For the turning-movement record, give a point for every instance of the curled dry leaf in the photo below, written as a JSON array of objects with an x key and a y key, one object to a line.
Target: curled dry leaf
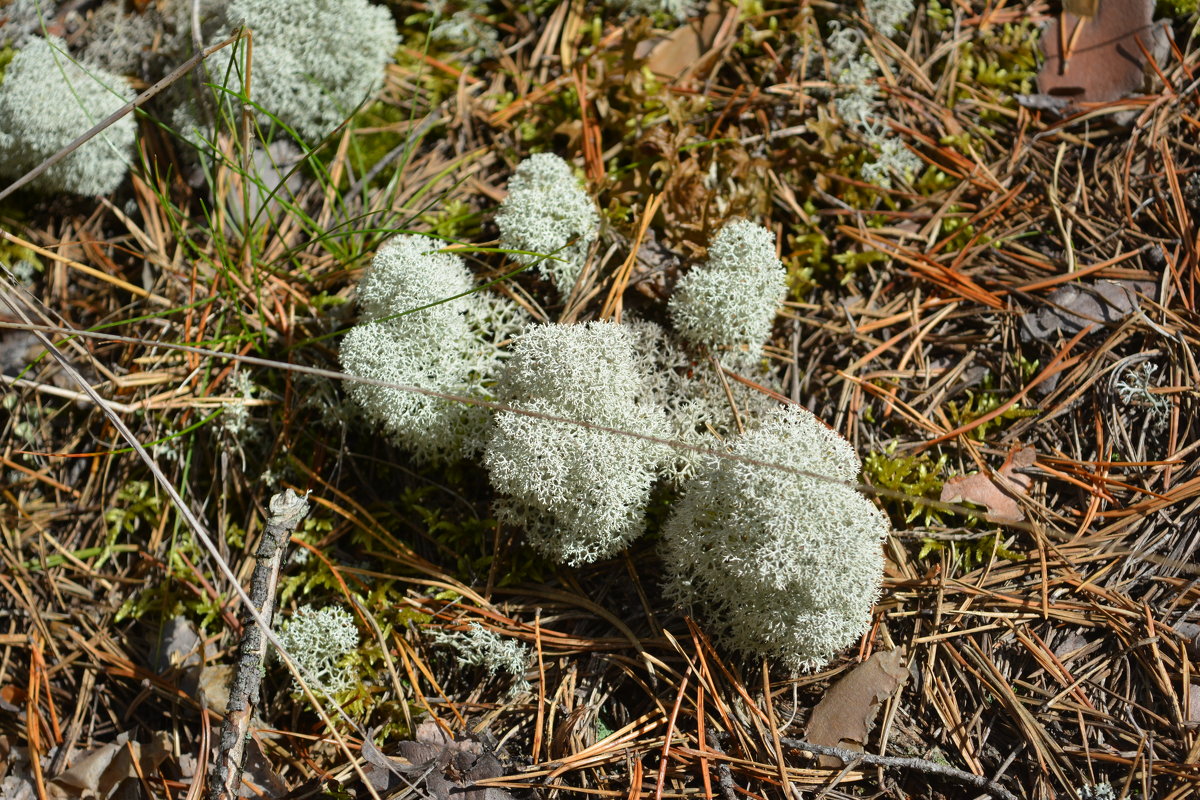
[
  {"x": 998, "y": 495},
  {"x": 1190, "y": 633},
  {"x": 686, "y": 49},
  {"x": 1071, "y": 308},
  {"x": 1098, "y": 58},
  {"x": 213, "y": 685},
  {"x": 98, "y": 772},
  {"x": 1193, "y": 703},
  {"x": 437, "y": 763},
  {"x": 847, "y": 712},
  {"x": 178, "y": 644}
]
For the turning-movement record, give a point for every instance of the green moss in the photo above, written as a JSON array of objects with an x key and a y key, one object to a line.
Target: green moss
[
  {"x": 980, "y": 404},
  {"x": 469, "y": 542},
  {"x": 934, "y": 180},
  {"x": 1177, "y": 9},
  {"x": 137, "y": 506},
  {"x": 918, "y": 478},
  {"x": 969, "y": 555},
  {"x": 955, "y": 226},
  {"x": 539, "y": 125},
  {"x": 810, "y": 260},
  {"x": 6, "y": 56},
  {"x": 940, "y": 17},
  {"x": 453, "y": 220},
  {"x": 1004, "y": 59},
  {"x": 174, "y": 591},
  {"x": 12, "y": 254},
  {"x": 370, "y": 700},
  {"x": 309, "y": 576},
  {"x": 807, "y": 258},
  {"x": 852, "y": 261},
  {"x": 383, "y": 122}
]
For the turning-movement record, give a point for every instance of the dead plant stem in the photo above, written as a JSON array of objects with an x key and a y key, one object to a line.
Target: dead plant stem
[
  {"x": 287, "y": 509},
  {"x": 896, "y": 762}
]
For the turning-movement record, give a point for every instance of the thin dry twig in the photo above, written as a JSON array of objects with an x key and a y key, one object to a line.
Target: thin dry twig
[
  {"x": 897, "y": 762},
  {"x": 287, "y": 510}
]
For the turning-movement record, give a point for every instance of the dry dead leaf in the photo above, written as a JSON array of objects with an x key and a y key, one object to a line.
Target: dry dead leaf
[
  {"x": 1105, "y": 58},
  {"x": 178, "y": 645},
  {"x": 684, "y": 48},
  {"x": 259, "y": 778},
  {"x": 213, "y": 685},
  {"x": 997, "y": 496},
  {"x": 444, "y": 767},
  {"x": 98, "y": 772},
  {"x": 12, "y": 698},
  {"x": 1190, "y": 633},
  {"x": 846, "y": 713},
  {"x": 1071, "y": 308}
]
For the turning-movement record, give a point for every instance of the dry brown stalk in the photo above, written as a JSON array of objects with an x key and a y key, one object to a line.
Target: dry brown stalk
[
  {"x": 287, "y": 511},
  {"x": 896, "y": 762}
]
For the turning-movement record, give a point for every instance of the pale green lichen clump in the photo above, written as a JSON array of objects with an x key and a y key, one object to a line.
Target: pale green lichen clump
[
  {"x": 733, "y": 298},
  {"x": 784, "y": 563},
  {"x": 779, "y": 564},
  {"x": 317, "y": 639},
  {"x": 580, "y": 492},
  {"x": 889, "y": 15},
  {"x": 481, "y": 647},
  {"x": 422, "y": 326},
  {"x": 549, "y": 216},
  {"x": 688, "y": 387},
  {"x": 315, "y": 61},
  {"x": 46, "y": 102},
  {"x": 858, "y": 101}
]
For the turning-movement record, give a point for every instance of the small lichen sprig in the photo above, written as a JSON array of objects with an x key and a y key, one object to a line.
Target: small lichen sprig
[
  {"x": 581, "y": 493},
  {"x": 779, "y": 564},
  {"x": 124, "y": 43},
  {"x": 481, "y": 647},
  {"x": 548, "y": 215},
  {"x": 673, "y": 9},
  {"x": 732, "y": 299},
  {"x": 854, "y": 72},
  {"x": 1133, "y": 387},
  {"x": 318, "y": 640},
  {"x": 424, "y": 327},
  {"x": 466, "y": 26},
  {"x": 1098, "y": 791},
  {"x": 47, "y": 100},
  {"x": 23, "y": 19},
  {"x": 857, "y": 99},
  {"x": 235, "y": 419},
  {"x": 891, "y": 158},
  {"x": 888, "y": 15}
]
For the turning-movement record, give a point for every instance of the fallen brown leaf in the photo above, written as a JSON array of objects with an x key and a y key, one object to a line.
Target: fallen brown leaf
[
  {"x": 846, "y": 713},
  {"x": 98, "y": 772},
  {"x": 446, "y": 768},
  {"x": 1071, "y": 308},
  {"x": 996, "y": 496},
  {"x": 1104, "y": 56},
  {"x": 684, "y": 48}
]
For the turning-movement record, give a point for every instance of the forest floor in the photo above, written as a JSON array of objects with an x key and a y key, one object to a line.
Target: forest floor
[{"x": 1003, "y": 318}]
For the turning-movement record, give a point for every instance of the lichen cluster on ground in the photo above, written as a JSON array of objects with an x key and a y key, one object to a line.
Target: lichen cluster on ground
[{"x": 992, "y": 307}]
